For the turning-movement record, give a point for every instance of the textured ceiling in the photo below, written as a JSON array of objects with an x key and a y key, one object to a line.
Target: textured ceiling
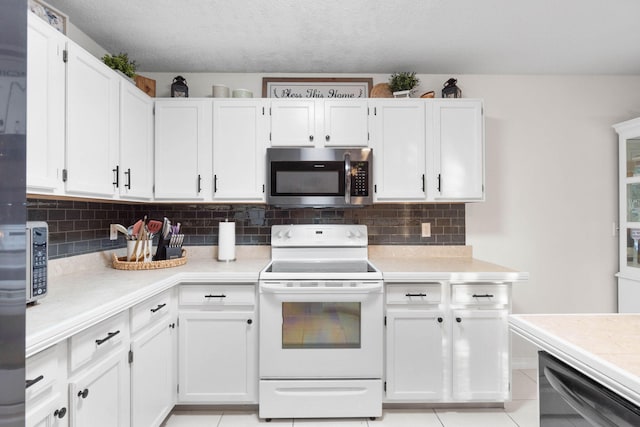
[{"x": 372, "y": 36}]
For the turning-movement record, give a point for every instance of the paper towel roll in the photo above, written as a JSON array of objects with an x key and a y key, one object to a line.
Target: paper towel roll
[{"x": 227, "y": 241}]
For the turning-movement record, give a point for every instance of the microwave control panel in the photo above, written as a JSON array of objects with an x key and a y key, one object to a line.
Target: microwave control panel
[
  {"x": 37, "y": 249},
  {"x": 360, "y": 179}
]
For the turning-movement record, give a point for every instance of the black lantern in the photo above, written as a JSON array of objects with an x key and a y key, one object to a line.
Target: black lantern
[
  {"x": 179, "y": 88},
  {"x": 451, "y": 90}
]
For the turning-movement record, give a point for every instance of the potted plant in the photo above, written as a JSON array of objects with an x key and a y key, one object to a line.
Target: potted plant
[
  {"x": 401, "y": 84},
  {"x": 121, "y": 62}
]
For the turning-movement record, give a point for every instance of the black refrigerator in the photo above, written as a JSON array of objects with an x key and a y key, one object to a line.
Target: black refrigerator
[{"x": 13, "y": 117}]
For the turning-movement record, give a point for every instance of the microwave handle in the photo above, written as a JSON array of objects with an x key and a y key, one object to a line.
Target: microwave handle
[{"x": 347, "y": 178}]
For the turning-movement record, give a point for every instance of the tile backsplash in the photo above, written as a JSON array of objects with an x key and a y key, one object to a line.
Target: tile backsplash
[{"x": 78, "y": 227}]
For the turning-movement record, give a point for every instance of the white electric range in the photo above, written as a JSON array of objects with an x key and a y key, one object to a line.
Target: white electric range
[{"x": 321, "y": 325}]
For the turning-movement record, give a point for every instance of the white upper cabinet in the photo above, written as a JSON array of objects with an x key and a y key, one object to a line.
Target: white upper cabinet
[
  {"x": 136, "y": 143},
  {"x": 293, "y": 123},
  {"x": 240, "y": 138},
  {"x": 319, "y": 123},
  {"x": 345, "y": 123},
  {"x": 458, "y": 151},
  {"x": 45, "y": 107},
  {"x": 183, "y": 149},
  {"x": 398, "y": 141},
  {"x": 92, "y": 125}
]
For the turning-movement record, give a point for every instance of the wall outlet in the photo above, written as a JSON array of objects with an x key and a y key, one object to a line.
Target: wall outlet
[
  {"x": 113, "y": 233},
  {"x": 426, "y": 229}
]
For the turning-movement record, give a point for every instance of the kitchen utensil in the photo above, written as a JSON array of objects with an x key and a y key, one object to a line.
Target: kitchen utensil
[
  {"x": 154, "y": 226},
  {"x": 136, "y": 228},
  {"x": 123, "y": 230},
  {"x": 166, "y": 228}
]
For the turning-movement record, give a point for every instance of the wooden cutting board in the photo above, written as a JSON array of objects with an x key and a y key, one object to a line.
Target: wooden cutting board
[{"x": 147, "y": 85}]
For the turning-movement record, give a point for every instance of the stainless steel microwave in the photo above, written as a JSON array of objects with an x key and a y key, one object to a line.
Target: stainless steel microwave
[{"x": 319, "y": 177}]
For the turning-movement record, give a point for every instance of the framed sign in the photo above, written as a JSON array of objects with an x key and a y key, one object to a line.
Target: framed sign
[{"x": 305, "y": 87}]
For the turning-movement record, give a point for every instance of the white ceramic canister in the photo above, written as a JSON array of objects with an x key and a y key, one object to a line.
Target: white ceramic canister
[
  {"x": 220, "y": 91},
  {"x": 242, "y": 93}
]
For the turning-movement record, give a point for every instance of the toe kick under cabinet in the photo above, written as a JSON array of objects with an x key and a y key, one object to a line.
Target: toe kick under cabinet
[{"x": 447, "y": 342}]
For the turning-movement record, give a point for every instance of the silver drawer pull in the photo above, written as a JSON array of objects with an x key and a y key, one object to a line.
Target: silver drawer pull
[{"x": 215, "y": 296}]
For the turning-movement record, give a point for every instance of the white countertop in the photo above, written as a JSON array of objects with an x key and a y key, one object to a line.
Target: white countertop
[
  {"x": 605, "y": 347},
  {"x": 85, "y": 290}
]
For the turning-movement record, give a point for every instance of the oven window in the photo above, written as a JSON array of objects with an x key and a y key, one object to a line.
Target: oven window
[{"x": 321, "y": 325}]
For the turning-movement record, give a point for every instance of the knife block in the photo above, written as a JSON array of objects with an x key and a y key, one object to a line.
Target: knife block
[{"x": 161, "y": 251}]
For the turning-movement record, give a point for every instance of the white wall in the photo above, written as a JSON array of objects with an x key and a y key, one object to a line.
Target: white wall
[{"x": 551, "y": 181}]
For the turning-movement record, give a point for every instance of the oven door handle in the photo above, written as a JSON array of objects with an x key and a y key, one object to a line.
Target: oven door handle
[
  {"x": 282, "y": 288},
  {"x": 347, "y": 179}
]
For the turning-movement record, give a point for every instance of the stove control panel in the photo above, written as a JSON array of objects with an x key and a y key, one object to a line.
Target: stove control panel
[{"x": 317, "y": 235}]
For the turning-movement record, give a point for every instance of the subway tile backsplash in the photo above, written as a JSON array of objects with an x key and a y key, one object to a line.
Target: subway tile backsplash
[{"x": 78, "y": 227}]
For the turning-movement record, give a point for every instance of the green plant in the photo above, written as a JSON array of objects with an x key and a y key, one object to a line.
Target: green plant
[
  {"x": 403, "y": 81},
  {"x": 121, "y": 63}
]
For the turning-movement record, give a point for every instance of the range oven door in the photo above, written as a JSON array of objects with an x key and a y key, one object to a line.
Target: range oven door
[{"x": 321, "y": 330}]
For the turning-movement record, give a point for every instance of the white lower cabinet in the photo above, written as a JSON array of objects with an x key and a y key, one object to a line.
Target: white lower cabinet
[
  {"x": 447, "y": 342},
  {"x": 480, "y": 355},
  {"x": 153, "y": 360},
  {"x": 218, "y": 347},
  {"x": 99, "y": 395},
  {"x": 45, "y": 394},
  {"x": 416, "y": 347}
]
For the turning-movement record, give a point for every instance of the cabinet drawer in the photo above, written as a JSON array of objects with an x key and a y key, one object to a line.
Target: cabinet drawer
[
  {"x": 480, "y": 294},
  {"x": 414, "y": 293},
  {"x": 217, "y": 295},
  {"x": 150, "y": 310},
  {"x": 42, "y": 372},
  {"x": 98, "y": 340}
]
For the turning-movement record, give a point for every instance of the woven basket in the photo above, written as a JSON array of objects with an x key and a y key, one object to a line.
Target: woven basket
[{"x": 122, "y": 263}]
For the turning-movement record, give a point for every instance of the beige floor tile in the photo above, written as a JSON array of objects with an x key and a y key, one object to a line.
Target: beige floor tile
[
  {"x": 249, "y": 419},
  {"x": 523, "y": 412},
  {"x": 474, "y": 418},
  {"x": 333, "y": 422},
  {"x": 193, "y": 419},
  {"x": 406, "y": 418},
  {"x": 522, "y": 386}
]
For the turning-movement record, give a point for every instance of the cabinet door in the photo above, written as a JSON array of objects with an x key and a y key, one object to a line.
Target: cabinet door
[
  {"x": 45, "y": 107},
  {"x": 416, "y": 354},
  {"x": 51, "y": 413},
  {"x": 182, "y": 149},
  {"x": 292, "y": 123},
  {"x": 218, "y": 357},
  {"x": 136, "y": 143},
  {"x": 458, "y": 139},
  {"x": 239, "y": 150},
  {"x": 481, "y": 364},
  {"x": 99, "y": 396},
  {"x": 345, "y": 124},
  {"x": 398, "y": 142},
  {"x": 92, "y": 125},
  {"x": 152, "y": 375}
]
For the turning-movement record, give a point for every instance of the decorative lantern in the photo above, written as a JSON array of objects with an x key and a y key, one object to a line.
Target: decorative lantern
[
  {"x": 179, "y": 88},
  {"x": 451, "y": 90}
]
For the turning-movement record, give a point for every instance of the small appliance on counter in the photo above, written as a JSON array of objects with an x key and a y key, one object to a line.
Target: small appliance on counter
[{"x": 37, "y": 233}]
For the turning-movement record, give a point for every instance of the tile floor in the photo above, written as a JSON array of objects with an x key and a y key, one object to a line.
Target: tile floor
[{"x": 521, "y": 411}]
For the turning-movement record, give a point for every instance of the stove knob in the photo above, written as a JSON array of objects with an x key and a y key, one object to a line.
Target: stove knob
[
  {"x": 279, "y": 235},
  {"x": 288, "y": 234},
  {"x": 350, "y": 234}
]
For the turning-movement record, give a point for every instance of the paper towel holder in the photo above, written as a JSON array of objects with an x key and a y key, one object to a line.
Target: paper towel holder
[{"x": 233, "y": 243}]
